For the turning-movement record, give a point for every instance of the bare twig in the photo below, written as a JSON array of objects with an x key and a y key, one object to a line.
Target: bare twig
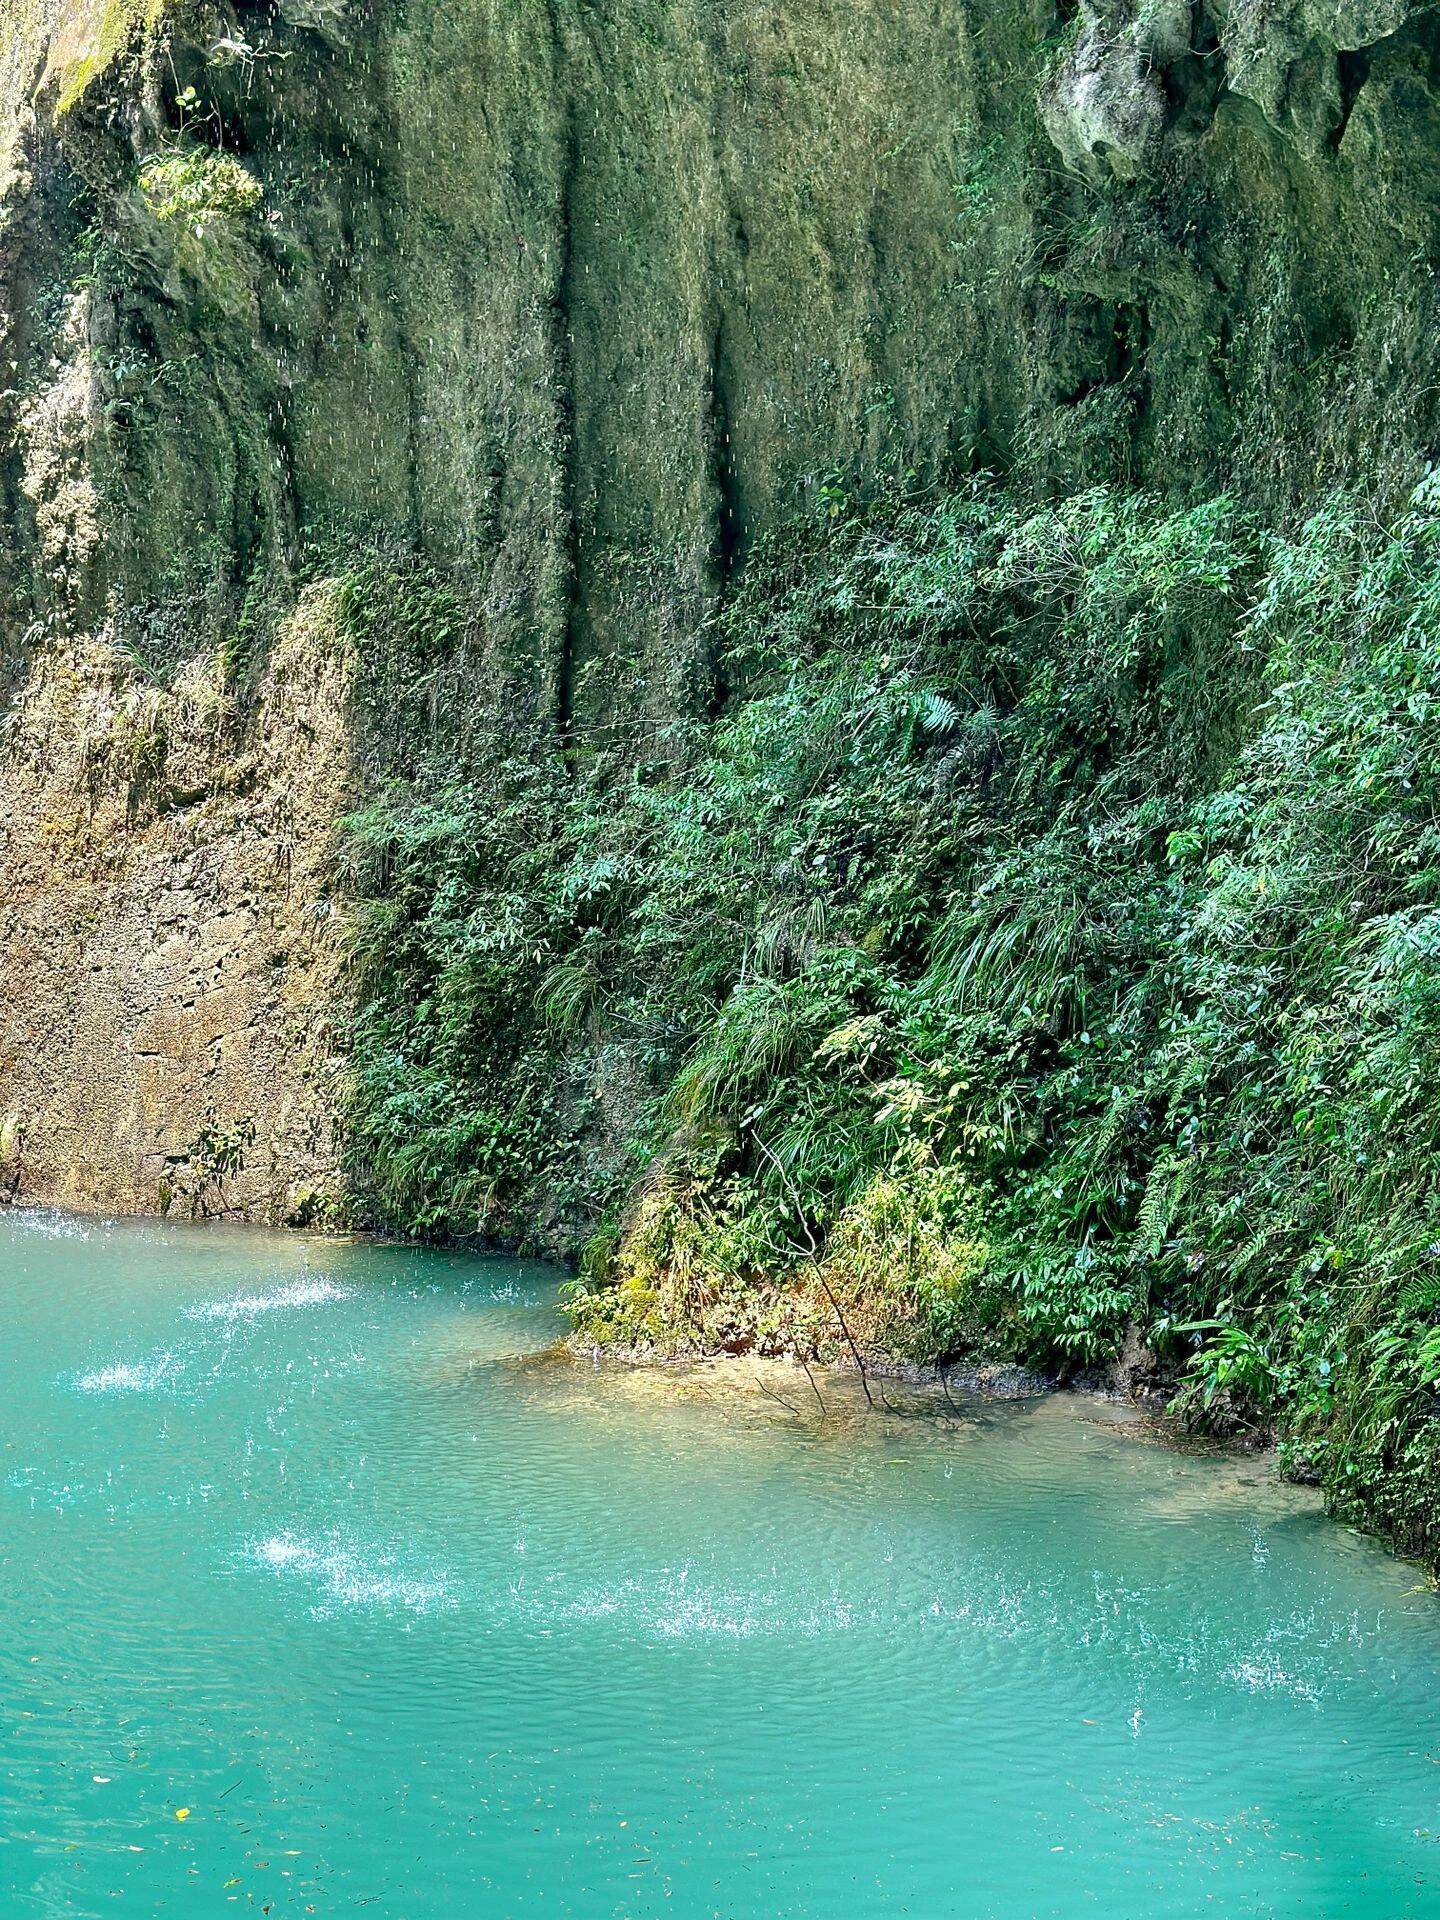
[
  {"x": 945, "y": 1383},
  {"x": 770, "y": 1394},
  {"x": 813, "y": 1388},
  {"x": 819, "y": 1270},
  {"x": 849, "y": 1337}
]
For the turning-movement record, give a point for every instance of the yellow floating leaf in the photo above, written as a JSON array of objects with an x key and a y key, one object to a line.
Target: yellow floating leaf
[{"x": 182, "y": 1813}]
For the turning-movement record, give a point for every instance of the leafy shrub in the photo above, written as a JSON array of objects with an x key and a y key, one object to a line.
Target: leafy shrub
[
  {"x": 1043, "y": 939},
  {"x": 196, "y": 186}
]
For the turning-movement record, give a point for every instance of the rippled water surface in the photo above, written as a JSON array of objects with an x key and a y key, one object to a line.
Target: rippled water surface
[{"x": 308, "y": 1544}]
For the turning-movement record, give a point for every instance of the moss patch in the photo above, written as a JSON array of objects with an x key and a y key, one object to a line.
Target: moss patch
[{"x": 89, "y": 36}]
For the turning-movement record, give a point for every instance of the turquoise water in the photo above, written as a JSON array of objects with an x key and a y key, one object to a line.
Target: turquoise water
[{"x": 310, "y": 1541}]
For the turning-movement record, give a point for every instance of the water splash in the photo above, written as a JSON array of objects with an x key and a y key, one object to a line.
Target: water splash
[
  {"x": 52, "y": 1225},
  {"x": 348, "y": 1575},
  {"x": 132, "y": 1376},
  {"x": 249, "y": 1306},
  {"x": 1267, "y": 1675}
]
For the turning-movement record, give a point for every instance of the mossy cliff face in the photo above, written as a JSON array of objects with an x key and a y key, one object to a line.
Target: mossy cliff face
[
  {"x": 581, "y": 297},
  {"x": 574, "y": 302}
]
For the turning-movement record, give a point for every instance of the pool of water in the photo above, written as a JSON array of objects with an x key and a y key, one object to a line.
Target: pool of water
[{"x": 323, "y": 1590}]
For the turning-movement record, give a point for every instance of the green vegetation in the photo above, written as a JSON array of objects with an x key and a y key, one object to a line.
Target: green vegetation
[
  {"x": 1031, "y": 955},
  {"x": 1040, "y": 943},
  {"x": 88, "y": 37},
  {"x": 196, "y": 186}
]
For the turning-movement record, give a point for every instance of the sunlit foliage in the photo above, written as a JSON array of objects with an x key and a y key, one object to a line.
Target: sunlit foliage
[{"x": 1041, "y": 945}]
